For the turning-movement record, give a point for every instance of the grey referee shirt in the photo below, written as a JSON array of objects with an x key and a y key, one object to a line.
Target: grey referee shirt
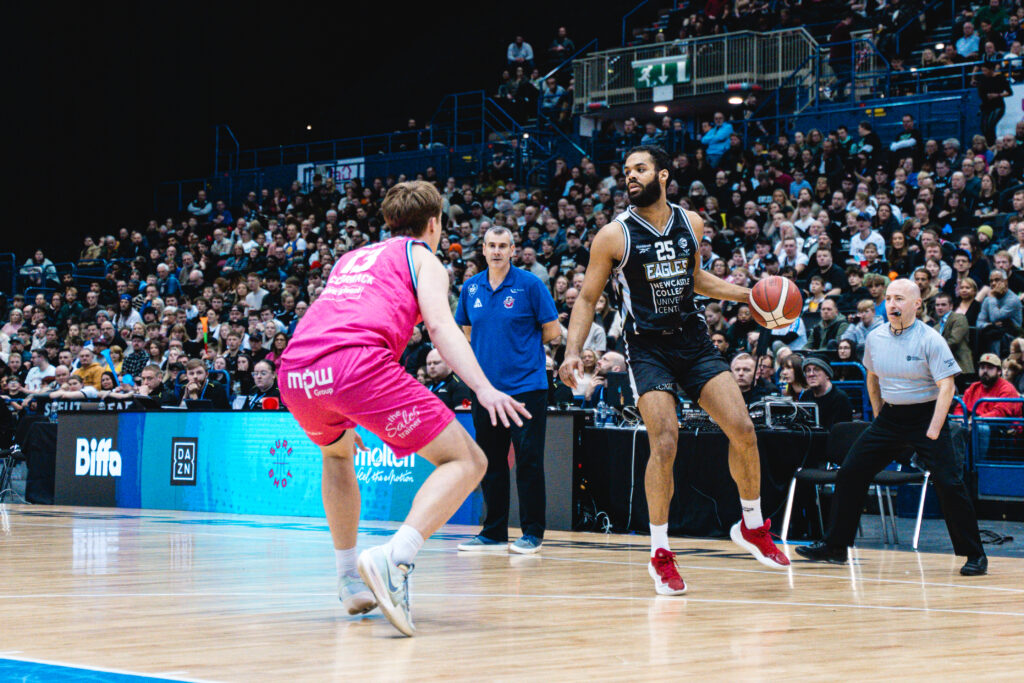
[{"x": 909, "y": 364}]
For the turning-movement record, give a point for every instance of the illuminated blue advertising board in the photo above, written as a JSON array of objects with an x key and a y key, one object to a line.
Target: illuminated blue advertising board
[{"x": 244, "y": 462}]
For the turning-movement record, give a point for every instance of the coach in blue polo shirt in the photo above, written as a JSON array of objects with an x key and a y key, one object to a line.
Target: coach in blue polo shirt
[{"x": 508, "y": 315}]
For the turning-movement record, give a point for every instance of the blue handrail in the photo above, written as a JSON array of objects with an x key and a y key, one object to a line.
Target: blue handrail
[
  {"x": 627, "y": 15},
  {"x": 216, "y": 147},
  {"x": 927, "y": 8},
  {"x": 542, "y": 118},
  {"x": 855, "y": 111},
  {"x": 974, "y": 410},
  {"x": 9, "y": 263},
  {"x": 963, "y": 411},
  {"x": 941, "y": 74},
  {"x": 861, "y": 384},
  {"x": 574, "y": 55},
  {"x": 852, "y": 364}
]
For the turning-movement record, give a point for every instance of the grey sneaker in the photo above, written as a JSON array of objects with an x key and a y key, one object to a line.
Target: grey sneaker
[
  {"x": 526, "y": 545},
  {"x": 390, "y": 585},
  {"x": 354, "y": 595},
  {"x": 483, "y": 544}
]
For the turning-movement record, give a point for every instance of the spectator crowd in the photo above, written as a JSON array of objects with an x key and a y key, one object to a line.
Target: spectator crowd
[{"x": 200, "y": 306}]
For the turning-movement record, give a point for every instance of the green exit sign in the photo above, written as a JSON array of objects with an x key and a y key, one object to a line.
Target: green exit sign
[{"x": 652, "y": 73}]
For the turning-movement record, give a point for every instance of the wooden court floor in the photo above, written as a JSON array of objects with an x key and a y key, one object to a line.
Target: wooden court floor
[{"x": 237, "y": 598}]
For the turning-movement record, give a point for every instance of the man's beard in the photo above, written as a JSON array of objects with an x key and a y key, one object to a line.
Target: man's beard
[
  {"x": 649, "y": 194},
  {"x": 988, "y": 380}
]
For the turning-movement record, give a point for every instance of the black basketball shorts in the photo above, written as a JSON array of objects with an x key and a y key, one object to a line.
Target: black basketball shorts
[{"x": 660, "y": 362}]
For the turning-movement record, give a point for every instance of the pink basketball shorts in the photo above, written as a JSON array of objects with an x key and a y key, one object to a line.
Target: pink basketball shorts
[{"x": 362, "y": 386}]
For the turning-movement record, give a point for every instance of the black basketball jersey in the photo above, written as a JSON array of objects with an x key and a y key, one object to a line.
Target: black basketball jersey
[{"x": 656, "y": 273}]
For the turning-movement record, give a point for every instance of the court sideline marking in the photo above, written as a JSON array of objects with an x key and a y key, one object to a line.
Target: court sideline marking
[
  {"x": 595, "y": 546},
  {"x": 15, "y": 656},
  {"x": 530, "y": 596}
]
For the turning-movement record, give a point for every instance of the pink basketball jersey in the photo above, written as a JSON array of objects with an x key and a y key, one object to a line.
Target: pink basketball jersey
[{"x": 369, "y": 300}]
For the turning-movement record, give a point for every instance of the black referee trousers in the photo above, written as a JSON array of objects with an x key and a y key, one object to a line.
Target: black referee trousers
[
  {"x": 895, "y": 430},
  {"x": 528, "y": 442}
]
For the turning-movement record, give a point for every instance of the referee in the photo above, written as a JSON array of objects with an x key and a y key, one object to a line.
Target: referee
[
  {"x": 910, "y": 382},
  {"x": 508, "y": 315}
]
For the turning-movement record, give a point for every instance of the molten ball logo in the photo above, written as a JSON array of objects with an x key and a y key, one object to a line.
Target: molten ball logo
[{"x": 279, "y": 473}]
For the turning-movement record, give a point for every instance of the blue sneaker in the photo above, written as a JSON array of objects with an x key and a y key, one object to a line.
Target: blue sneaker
[
  {"x": 526, "y": 545},
  {"x": 354, "y": 595},
  {"x": 483, "y": 544},
  {"x": 390, "y": 585}
]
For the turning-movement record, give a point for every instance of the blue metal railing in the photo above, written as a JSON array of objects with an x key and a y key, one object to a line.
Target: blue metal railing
[
  {"x": 997, "y": 452},
  {"x": 8, "y": 273},
  {"x": 846, "y": 113},
  {"x": 627, "y": 15},
  {"x": 784, "y": 86},
  {"x": 898, "y": 33},
  {"x": 233, "y": 160},
  {"x": 858, "y": 386},
  {"x": 862, "y": 50},
  {"x": 544, "y": 122},
  {"x": 940, "y": 77},
  {"x": 574, "y": 55},
  {"x": 964, "y": 415},
  {"x": 339, "y": 148}
]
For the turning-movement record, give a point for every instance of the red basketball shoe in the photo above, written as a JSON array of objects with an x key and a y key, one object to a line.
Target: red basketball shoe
[
  {"x": 759, "y": 543},
  {"x": 662, "y": 569}
]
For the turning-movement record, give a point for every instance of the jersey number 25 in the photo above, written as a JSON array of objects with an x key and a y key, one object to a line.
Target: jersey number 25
[{"x": 665, "y": 251}]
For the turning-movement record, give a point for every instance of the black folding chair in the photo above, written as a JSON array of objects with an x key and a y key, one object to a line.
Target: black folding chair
[
  {"x": 9, "y": 459},
  {"x": 840, "y": 440}
]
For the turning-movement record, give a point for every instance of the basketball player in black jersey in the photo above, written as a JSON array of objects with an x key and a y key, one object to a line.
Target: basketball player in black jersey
[{"x": 651, "y": 249}]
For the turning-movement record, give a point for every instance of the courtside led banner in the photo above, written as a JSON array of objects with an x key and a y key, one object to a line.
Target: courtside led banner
[{"x": 245, "y": 463}]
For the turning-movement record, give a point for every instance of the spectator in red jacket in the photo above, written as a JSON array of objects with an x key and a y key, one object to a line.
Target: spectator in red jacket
[{"x": 991, "y": 385}]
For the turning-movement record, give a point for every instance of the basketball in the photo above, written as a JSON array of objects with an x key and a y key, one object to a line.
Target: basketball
[{"x": 775, "y": 302}]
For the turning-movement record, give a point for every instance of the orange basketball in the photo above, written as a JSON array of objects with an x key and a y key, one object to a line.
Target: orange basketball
[{"x": 775, "y": 302}]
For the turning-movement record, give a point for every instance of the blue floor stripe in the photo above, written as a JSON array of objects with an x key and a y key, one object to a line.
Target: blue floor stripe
[{"x": 38, "y": 672}]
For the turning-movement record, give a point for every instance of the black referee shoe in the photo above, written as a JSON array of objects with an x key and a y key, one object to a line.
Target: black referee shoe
[
  {"x": 975, "y": 566},
  {"x": 820, "y": 552}
]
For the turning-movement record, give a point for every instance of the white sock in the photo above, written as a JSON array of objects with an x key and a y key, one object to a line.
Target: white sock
[
  {"x": 404, "y": 545},
  {"x": 752, "y": 513},
  {"x": 659, "y": 537},
  {"x": 345, "y": 561}
]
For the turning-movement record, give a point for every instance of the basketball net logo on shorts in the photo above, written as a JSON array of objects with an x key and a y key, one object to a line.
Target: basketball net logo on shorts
[
  {"x": 94, "y": 458},
  {"x": 310, "y": 379},
  {"x": 402, "y": 422}
]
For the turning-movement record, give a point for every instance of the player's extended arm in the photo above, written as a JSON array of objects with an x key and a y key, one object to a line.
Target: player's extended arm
[
  {"x": 947, "y": 387},
  {"x": 708, "y": 285},
  {"x": 874, "y": 393},
  {"x": 604, "y": 253},
  {"x": 716, "y": 288},
  {"x": 432, "y": 294}
]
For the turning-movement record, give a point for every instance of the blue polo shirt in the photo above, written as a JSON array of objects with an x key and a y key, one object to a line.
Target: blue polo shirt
[{"x": 506, "y": 321}]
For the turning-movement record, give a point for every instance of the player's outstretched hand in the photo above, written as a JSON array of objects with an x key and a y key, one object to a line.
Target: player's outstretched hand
[
  {"x": 570, "y": 366},
  {"x": 502, "y": 407}
]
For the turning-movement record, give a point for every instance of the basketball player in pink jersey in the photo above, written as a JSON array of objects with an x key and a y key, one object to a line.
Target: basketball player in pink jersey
[{"x": 341, "y": 369}]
